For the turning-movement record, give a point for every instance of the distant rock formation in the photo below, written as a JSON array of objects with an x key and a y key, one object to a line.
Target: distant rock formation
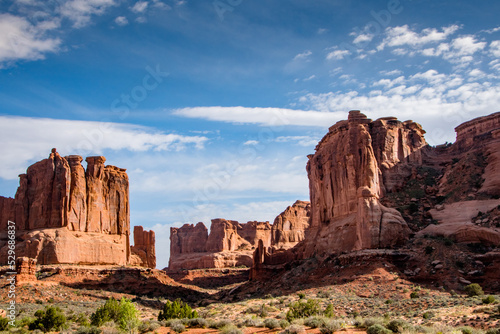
[
  {"x": 362, "y": 170},
  {"x": 26, "y": 270},
  {"x": 143, "y": 251},
  {"x": 230, "y": 243},
  {"x": 66, "y": 214}
]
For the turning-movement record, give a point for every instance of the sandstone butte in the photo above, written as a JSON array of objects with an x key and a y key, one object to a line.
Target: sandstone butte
[
  {"x": 65, "y": 214},
  {"x": 231, "y": 244},
  {"x": 362, "y": 167}
]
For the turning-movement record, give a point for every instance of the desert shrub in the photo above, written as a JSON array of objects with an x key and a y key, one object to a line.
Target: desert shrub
[
  {"x": 294, "y": 329},
  {"x": 88, "y": 330},
  {"x": 4, "y": 324},
  {"x": 331, "y": 326},
  {"x": 397, "y": 325},
  {"x": 50, "y": 319},
  {"x": 221, "y": 323},
  {"x": 414, "y": 295},
  {"x": 122, "y": 312},
  {"x": 377, "y": 329},
  {"x": 301, "y": 309},
  {"x": 271, "y": 323},
  {"x": 301, "y": 295},
  {"x": 323, "y": 294},
  {"x": 493, "y": 331},
  {"x": 428, "y": 315},
  {"x": 148, "y": 326},
  {"x": 329, "y": 311},
  {"x": 368, "y": 322},
  {"x": 467, "y": 330},
  {"x": 178, "y": 327},
  {"x": 314, "y": 322},
  {"x": 197, "y": 323},
  {"x": 230, "y": 329},
  {"x": 473, "y": 289},
  {"x": 82, "y": 319},
  {"x": 251, "y": 322},
  {"x": 176, "y": 310},
  {"x": 284, "y": 323},
  {"x": 489, "y": 300}
]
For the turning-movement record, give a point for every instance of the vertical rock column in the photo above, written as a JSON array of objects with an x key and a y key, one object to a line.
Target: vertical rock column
[
  {"x": 77, "y": 213},
  {"x": 96, "y": 208}
]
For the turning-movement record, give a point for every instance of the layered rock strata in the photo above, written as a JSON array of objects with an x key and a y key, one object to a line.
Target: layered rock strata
[{"x": 64, "y": 213}]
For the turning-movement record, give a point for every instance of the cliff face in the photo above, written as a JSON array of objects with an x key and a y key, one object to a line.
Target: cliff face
[
  {"x": 66, "y": 214},
  {"x": 230, "y": 243},
  {"x": 354, "y": 165},
  {"x": 363, "y": 170}
]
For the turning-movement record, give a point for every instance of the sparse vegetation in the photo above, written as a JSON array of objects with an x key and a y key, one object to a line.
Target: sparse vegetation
[
  {"x": 49, "y": 319},
  {"x": 302, "y": 309},
  {"x": 473, "y": 289},
  {"x": 176, "y": 310}
]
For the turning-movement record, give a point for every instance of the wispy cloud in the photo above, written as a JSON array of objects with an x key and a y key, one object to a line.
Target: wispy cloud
[
  {"x": 81, "y": 11},
  {"x": 404, "y": 36},
  {"x": 139, "y": 7},
  {"x": 121, "y": 21},
  {"x": 78, "y": 137},
  {"x": 264, "y": 116}
]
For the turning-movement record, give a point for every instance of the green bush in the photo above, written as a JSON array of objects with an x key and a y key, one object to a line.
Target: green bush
[
  {"x": 301, "y": 295},
  {"x": 4, "y": 324},
  {"x": 489, "y": 300},
  {"x": 377, "y": 329},
  {"x": 397, "y": 325},
  {"x": 271, "y": 323},
  {"x": 176, "y": 310},
  {"x": 301, "y": 309},
  {"x": 122, "y": 312},
  {"x": 428, "y": 315},
  {"x": 467, "y": 330},
  {"x": 329, "y": 312},
  {"x": 473, "y": 289},
  {"x": 50, "y": 319},
  {"x": 414, "y": 295}
]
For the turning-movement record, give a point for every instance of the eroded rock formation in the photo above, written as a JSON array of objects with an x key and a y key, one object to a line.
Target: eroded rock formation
[
  {"x": 66, "y": 214},
  {"x": 26, "y": 270},
  {"x": 363, "y": 170},
  {"x": 143, "y": 251},
  {"x": 230, "y": 243}
]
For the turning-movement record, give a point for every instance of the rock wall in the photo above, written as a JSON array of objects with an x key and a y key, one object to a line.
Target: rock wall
[
  {"x": 289, "y": 227},
  {"x": 354, "y": 165},
  {"x": 66, "y": 214},
  {"x": 468, "y": 131},
  {"x": 230, "y": 243},
  {"x": 143, "y": 252}
]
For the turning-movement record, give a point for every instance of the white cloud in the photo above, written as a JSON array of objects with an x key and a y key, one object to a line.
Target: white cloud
[
  {"x": 438, "y": 101},
  {"x": 390, "y": 73},
  {"x": 303, "y": 56},
  {"x": 140, "y": 7},
  {"x": 337, "y": 54},
  {"x": 81, "y": 11},
  {"x": 273, "y": 117},
  {"x": 491, "y": 31},
  {"x": 466, "y": 45},
  {"x": 363, "y": 38},
  {"x": 495, "y": 48},
  {"x": 305, "y": 141},
  {"x": 121, "y": 21},
  {"x": 404, "y": 36},
  {"x": 251, "y": 142},
  {"x": 19, "y": 39},
  {"x": 39, "y": 135}
]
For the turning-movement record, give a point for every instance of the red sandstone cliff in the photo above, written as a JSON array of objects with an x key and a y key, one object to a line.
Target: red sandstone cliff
[
  {"x": 66, "y": 214},
  {"x": 143, "y": 250},
  {"x": 445, "y": 191}
]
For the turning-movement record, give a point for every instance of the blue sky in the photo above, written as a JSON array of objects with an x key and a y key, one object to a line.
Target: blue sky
[{"x": 213, "y": 106}]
